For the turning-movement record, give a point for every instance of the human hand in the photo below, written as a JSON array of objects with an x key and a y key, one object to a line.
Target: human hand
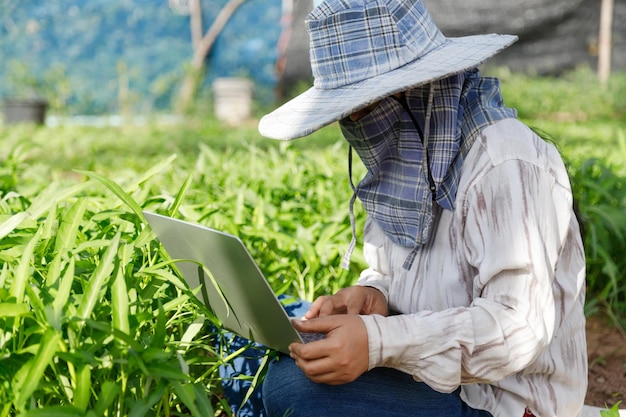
[
  {"x": 339, "y": 358},
  {"x": 352, "y": 300}
]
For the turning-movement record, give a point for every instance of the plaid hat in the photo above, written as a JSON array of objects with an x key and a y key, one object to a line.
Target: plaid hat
[{"x": 365, "y": 50}]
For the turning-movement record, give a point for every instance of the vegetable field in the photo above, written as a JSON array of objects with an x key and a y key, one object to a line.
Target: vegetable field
[{"x": 94, "y": 320}]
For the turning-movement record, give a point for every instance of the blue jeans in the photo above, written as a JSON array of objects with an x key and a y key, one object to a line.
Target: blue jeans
[
  {"x": 286, "y": 391},
  {"x": 236, "y": 375},
  {"x": 379, "y": 392}
]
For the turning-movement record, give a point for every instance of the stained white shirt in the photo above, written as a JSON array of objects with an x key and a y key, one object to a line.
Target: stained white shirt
[{"x": 494, "y": 303}]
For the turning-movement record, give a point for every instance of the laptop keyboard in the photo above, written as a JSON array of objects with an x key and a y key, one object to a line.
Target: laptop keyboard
[{"x": 311, "y": 337}]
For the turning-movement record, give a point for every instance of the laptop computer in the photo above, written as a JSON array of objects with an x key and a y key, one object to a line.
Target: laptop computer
[{"x": 231, "y": 284}]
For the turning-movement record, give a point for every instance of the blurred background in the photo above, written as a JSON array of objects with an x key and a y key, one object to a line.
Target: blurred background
[{"x": 140, "y": 56}]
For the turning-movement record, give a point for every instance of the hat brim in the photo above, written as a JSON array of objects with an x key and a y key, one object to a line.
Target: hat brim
[{"x": 316, "y": 108}]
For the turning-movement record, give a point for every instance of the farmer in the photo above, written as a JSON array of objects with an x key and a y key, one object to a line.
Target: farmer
[{"x": 472, "y": 304}]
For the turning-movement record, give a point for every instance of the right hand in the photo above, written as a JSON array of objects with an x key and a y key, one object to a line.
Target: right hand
[{"x": 352, "y": 300}]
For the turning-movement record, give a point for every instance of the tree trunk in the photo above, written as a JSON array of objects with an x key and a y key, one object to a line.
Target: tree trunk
[
  {"x": 604, "y": 41},
  {"x": 195, "y": 22},
  {"x": 201, "y": 48}
]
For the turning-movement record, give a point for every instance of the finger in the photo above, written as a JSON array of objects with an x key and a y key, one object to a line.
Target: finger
[
  {"x": 332, "y": 305},
  {"x": 307, "y": 352},
  {"x": 317, "y": 325},
  {"x": 356, "y": 304},
  {"x": 318, "y": 348},
  {"x": 316, "y": 368},
  {"x": 325, "y": 370},
  {"x": 294, "y": 348},
  {"x": 315, "y": 307}
]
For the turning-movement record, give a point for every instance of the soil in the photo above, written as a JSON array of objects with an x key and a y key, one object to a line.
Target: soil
[{"x": 606, "y": 348}]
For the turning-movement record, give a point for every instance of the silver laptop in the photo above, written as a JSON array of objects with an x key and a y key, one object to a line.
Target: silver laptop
[{"x": 231, "y": 284}]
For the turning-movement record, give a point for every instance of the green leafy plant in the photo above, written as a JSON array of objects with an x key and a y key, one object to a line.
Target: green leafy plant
[
  {"x": 94, "y": 319},
  {"x": 611, "y": 412},
  {"x": 601, "y": 193}
]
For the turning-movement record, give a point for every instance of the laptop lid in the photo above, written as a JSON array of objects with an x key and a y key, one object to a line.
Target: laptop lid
[{"x": 247, "y": 305}]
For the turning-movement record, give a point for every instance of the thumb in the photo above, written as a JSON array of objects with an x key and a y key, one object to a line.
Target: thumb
[{"x": 316, "y": 325}]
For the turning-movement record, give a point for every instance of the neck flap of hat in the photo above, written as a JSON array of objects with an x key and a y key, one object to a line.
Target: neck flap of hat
[
  {"x": 353, "y": 40},
  {"x": 407, "y": 173}
]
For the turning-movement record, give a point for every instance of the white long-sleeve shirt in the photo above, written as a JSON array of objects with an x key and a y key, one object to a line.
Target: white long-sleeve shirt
[{"x": 494, "y": 303}]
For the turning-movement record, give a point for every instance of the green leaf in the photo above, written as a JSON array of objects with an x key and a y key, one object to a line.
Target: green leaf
[
  {"x": 152, "y": 172},
  {"x": 50, "y": 223},
  {"x": 612, "y": 412},
  {"x": 42, "y": 202},
  {"x": 179, "y": 195},
  {"x": 258, "y": 376},
  {"x": 13, "y": 309},
  {"x": 97, "y": 281},
  {"x": 145, "y": 236},
  {"x": 108, "y": 392},
  {"x": 119, "y": 302},
  {"x": 203, "y": 402},
  {"x": 35, "y": 368},
  {"x": 9, "y": 225},
  {"x": 37, "y": 306},
  {"x": 160, "y": 329},
  {"x": 117, "y": 190},
  {"x": 68, "y": 228},
  {"x": 187, "y": 396},
  {"x": 193, "y": 329},
  {"x": 22, "y": 273},
  {"x": 142, "y": 407},
  {"x": 65, "y": 288},
  {"x": 54, "y": 270},
  {"x": 82, "y": 388},
  {"x": 53, "y": 411},
  {"x": 168, "y": 370}
]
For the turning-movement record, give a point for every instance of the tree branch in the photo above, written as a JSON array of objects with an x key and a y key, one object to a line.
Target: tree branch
[{"x": 207, "y": 41}]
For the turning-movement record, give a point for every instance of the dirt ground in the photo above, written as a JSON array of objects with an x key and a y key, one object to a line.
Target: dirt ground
[{"x": 606, "y": 347}]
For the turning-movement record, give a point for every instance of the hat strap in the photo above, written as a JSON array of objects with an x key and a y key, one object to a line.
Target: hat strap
[
  {"x": 423, "y": 135},
  {"x": 345, "y": 263},
  {"x": 426, "y": 159}
]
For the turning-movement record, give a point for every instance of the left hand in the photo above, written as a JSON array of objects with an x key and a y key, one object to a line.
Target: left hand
[
  {"x": 339, "y": 358},
  {"x": 356, "y": 299}
]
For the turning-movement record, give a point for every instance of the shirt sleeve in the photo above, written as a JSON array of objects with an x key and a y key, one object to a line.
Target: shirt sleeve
[
  {"x": 512, "y": 225},
  {"x": 374, "y": 252}
]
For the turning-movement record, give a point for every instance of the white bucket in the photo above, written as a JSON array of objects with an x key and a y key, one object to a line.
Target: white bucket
[{"x": 233, "y": 99}]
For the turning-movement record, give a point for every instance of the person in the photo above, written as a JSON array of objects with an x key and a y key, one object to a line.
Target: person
[{"x": 472, "y": 301}]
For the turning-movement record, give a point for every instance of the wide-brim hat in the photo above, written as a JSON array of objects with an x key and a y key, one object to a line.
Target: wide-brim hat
[{"x": 365, "y": 50}]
